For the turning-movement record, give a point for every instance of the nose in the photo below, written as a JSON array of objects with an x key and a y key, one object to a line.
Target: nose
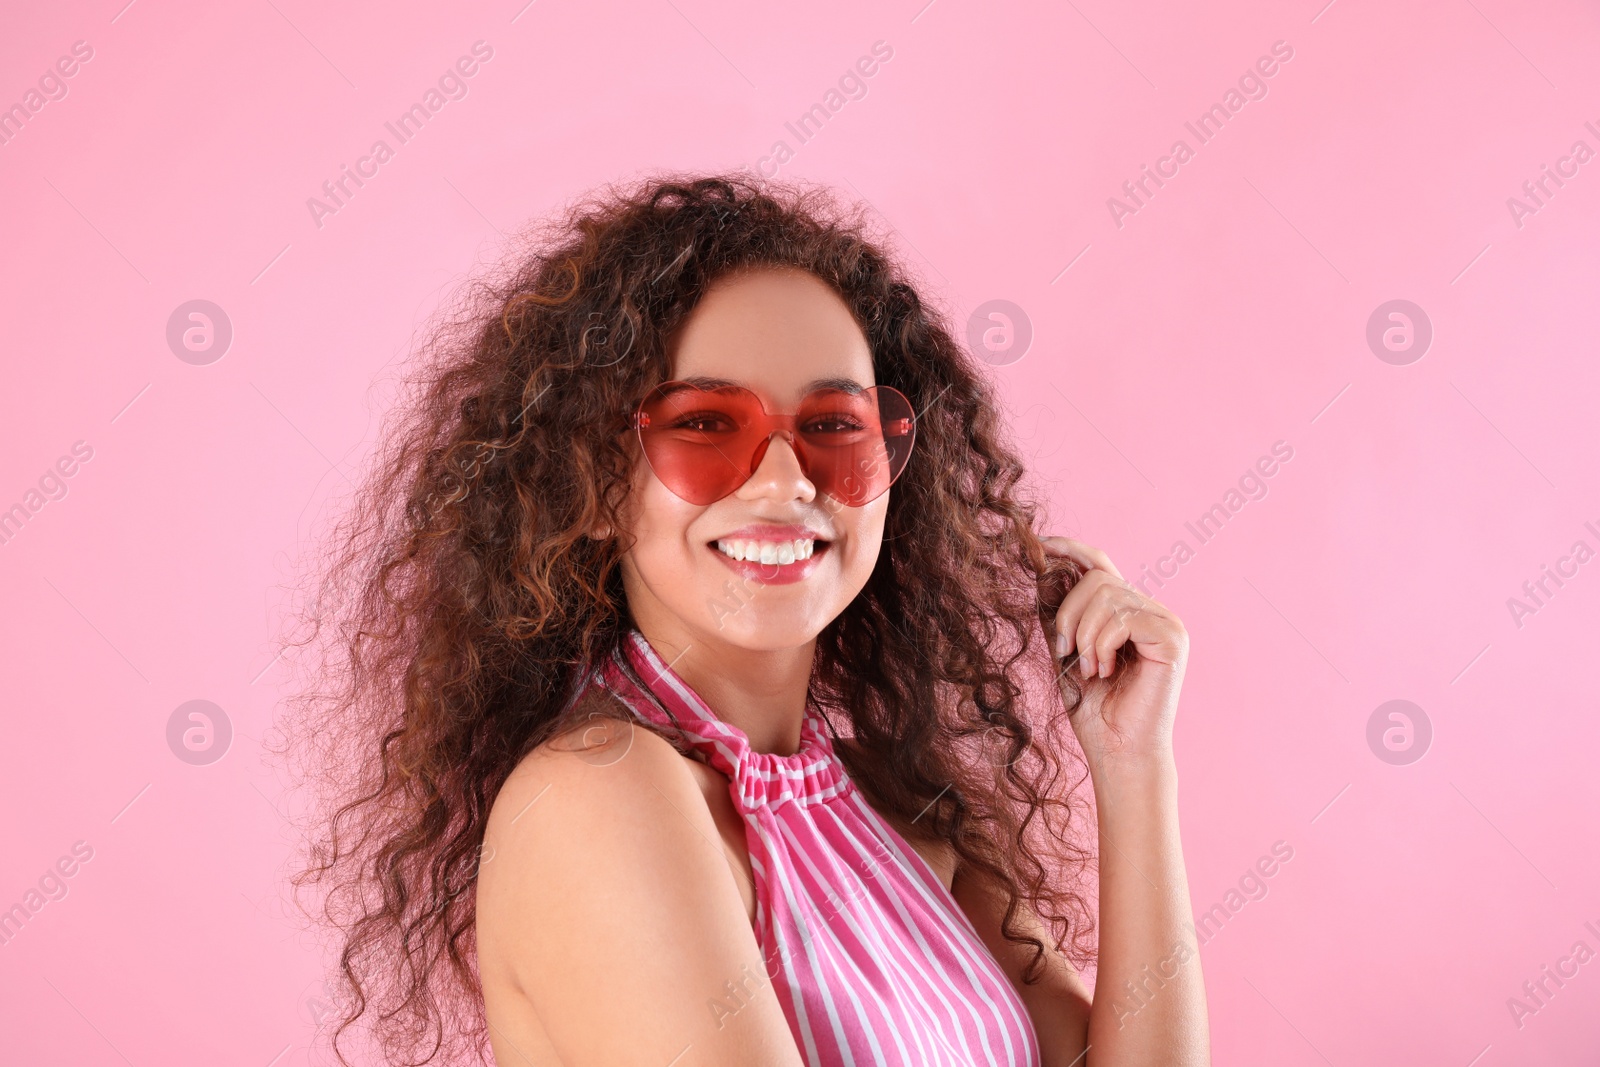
[{"x": 779, "y": 474}]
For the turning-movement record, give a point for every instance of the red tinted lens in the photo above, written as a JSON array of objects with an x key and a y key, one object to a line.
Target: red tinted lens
[
  {"x": 700, "y": 442},
  {"x": 854, "y": 445},
  {"x": 705, "y": 443}
]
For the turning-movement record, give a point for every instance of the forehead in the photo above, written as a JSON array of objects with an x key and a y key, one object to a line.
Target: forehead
[{"x": 774, "y": 330}]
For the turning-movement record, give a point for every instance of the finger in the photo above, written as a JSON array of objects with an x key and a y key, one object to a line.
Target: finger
[
  {"x": 1156, "y": 634},
  {"x": 1100, "y": 614},
  {"x": 1085, "y": 554},
  {"x": 1073, "y": 606},
  {"x": 1112, "y": 602},
  {"x": 1117, "y": 631}
]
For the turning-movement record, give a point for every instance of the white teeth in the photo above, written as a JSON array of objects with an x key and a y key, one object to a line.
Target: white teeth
[{"x": 769, "y": 552}]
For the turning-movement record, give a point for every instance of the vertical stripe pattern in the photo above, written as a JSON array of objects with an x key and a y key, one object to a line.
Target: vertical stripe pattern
[{"x": 872, "y": 959}]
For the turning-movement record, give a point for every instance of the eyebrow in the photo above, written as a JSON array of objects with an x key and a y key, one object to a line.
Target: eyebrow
[{"x": 847, "y": 385}]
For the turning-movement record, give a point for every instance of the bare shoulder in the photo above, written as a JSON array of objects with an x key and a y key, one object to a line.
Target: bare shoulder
[{"x": 607, "y": 924}]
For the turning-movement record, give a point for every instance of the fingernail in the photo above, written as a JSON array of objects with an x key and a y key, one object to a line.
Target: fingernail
[{"x": 1061, "y": 645}]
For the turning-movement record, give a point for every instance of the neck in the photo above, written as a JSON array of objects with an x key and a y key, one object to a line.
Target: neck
[{"x": 760, "y": 691}]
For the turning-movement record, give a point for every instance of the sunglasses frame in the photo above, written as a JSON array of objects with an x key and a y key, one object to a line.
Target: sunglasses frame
[{"x": 784, "y": 423}]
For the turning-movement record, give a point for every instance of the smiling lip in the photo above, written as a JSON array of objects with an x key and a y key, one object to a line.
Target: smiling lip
[{"x": 772, "y": 573}]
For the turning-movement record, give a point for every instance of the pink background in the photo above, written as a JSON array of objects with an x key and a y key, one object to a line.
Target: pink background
[{"x": 1228, "y": 313}]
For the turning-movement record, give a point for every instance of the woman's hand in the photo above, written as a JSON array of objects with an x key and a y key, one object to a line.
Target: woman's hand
[{"x": 1129, "y": 702}]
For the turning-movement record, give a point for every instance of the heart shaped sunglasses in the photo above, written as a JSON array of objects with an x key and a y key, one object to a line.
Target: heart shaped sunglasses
[{"x": 705, "y": 443}]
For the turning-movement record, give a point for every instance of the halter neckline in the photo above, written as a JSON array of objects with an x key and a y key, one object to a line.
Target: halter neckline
[{"x": 810, "y": 774}]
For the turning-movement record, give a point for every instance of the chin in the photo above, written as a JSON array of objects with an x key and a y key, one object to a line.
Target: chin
[{"x": 764, "y": 627}]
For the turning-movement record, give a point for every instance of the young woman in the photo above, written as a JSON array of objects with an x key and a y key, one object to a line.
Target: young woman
[{"x": 698, "y": 704}]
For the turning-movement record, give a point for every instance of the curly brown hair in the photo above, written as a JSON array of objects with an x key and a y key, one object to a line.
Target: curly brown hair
[{"x": 465, "y": 602}]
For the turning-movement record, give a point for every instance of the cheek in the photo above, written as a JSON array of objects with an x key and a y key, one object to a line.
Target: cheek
[
  {"x": 659, "y": 522},
  {"x": 864, "y": 534}
]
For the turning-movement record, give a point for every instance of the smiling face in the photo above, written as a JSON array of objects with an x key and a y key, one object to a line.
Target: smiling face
[{"x": 776, "y": 332}]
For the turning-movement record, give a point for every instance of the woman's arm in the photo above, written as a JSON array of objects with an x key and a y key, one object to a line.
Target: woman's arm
[
  {"x": 1149, "y": 1001},
  {"x": 1148, "y": 1005}
]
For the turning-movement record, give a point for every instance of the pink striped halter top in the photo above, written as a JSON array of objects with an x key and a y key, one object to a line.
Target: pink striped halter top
[{"x": 871, "y": 957}]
